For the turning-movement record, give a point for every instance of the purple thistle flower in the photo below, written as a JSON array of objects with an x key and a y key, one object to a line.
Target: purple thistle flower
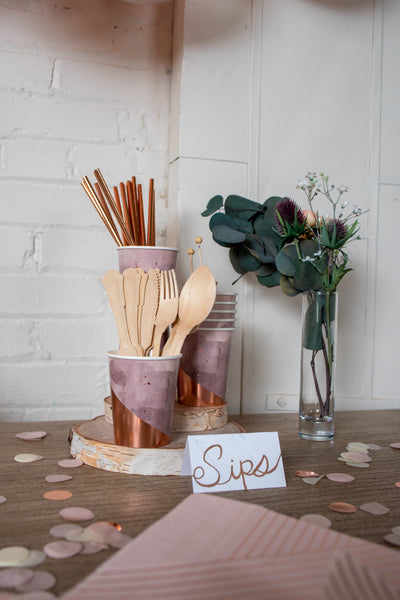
[
  {"x": 341, "y": 229},
  {"x": 288, "y": 211}
]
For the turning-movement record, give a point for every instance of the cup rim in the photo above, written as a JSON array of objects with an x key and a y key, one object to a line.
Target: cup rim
[
  {"x": 217, "y": 310},
  {"x": 220, "y": 320},
  {"x": 215, "y": 329},
  {"x": 114, "y": 354},
  {"x": 227, "y": 293},
  {"x": 119, "y": 248}
]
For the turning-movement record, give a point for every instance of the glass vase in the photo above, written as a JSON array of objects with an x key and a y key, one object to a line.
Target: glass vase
[{"x": 317, "y": 380}]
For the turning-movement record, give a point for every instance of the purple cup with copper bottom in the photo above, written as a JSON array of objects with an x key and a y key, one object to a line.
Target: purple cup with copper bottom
[
  {"x": 222, "y": 314},
  {"x": 225, "y": 297},
  {"x": 204, "y": 367},
  {"x": 147, "y": 257},
  {"x": 217, "y": 324},
  {"x": 143, "y": 391}
]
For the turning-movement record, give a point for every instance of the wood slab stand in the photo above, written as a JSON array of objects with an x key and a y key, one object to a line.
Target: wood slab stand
[
  {"x": 188, "y": 418},
  {"x": 93, "y": 442}
]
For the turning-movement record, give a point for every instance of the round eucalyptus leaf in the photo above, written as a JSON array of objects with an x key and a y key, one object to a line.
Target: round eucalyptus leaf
[
  {"x": 287, "y": 261},
  {"x": 287, "y": 286},
  {"x": 214, "y": 204},
  {"x": 235, "y": 260},
  {"x": 269, "y": 280},
  {"x": 242, "y": 208},
  {"x": 243, "y": 225},
  {"x": 266, "y": 269},
  {"x": 227, "y": 235},
  {"x": 307, "y": 278}
]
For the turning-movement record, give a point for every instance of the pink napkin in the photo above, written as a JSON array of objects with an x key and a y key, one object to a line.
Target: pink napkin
[{"x": 212, "y": 548}]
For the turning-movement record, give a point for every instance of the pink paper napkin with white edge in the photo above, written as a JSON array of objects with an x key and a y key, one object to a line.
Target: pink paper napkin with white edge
[{"x": 212, "y": 548}]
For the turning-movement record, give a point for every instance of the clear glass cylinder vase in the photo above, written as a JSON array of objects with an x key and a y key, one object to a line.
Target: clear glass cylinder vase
[{"x": 317, "y": 379}]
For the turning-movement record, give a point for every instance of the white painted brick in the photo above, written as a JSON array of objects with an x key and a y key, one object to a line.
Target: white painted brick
[
  {"x": 87, "y": 250},
  {"x": 72, "y": 412},
  {"x": 117, "y": 162},
  {"x": 53, "y": 118},
  {"x": 44, "y": 294},
  {"x": 44, "y": 384},
  {"x": 35, "y": 158},
  {"x": 15, "y": 243},
  {"x": 15, "y": 337},
  {"x": 82, "y": 338},
  {"x": 112, "y": 83},
  {"x": 47, "y": 204},
  {"x": 23, "y": 71}
]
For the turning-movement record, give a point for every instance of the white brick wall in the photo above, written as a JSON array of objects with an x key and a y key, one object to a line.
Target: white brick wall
[{"x": 83, "y": 85}]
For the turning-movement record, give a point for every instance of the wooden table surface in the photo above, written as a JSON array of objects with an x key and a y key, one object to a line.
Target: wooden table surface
[{"x": 136, "y": 501}]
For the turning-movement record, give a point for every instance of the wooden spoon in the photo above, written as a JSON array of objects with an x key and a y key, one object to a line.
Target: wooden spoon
[
  {"x": 113, "y": 282},
  {"x": 196, "y": 301}
]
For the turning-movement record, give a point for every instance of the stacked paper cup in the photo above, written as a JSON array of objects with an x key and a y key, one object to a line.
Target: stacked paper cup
[{"x": 204, "y": 368}]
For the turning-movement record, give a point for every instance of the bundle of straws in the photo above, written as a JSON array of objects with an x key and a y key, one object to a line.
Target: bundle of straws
[{"x": 125, "y": 208}]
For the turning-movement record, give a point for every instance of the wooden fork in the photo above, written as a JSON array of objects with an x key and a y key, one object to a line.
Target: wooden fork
[{"x": 167, "y": 308}]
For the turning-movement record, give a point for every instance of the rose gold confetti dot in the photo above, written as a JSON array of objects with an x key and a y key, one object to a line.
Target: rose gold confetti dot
[
  {"x": 397, "y": 484},
  {"x": 340, "y": 477},
  {"x": 374, "y": 447},
  {"x": 93, "y": 547},
  {"x": 3, "y": 499},
  {"x": 358, "y": 446},
  {"x": 57, "y": 495},
  {"x": 31, "y": 435},
  {"x": 360, "y": 465},
  {"x": 14, "y": 577},
  {"x": 35, "y": 558},
  {"x": 306, "y": 474},
  {"x": 356, "y": 457},
  {"x": 396, "y": 530},
  {"x": 62, "y": 549},
  {"x": 395, "y": 445},
  {"x": 315, "y": 519},
  {"x": 42, "y": 580},
  {"x": 375, "y": 508},
  {"x": 393, "y": 539},
  {"x": 76, "y": 513},
  {"x": 62, "y": 530},
  {"x": 57, "y": 478},
  {"x": 312, "y": 480},
  {"x": 13, "y": 556},
  {"x": 70, "y": 463},
  {"x": 27, "y": 458},
  {"x": 342, "y": 507}
]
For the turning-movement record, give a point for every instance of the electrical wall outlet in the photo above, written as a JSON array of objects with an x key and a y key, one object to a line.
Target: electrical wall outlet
[{"x": 282, "y": 402}]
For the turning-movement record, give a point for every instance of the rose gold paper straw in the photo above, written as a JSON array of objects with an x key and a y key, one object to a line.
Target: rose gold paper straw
[
  {"x": 141, "y": 215},
  {"x": 103, "y": 203},
  {"x": 133, "y": 209},
  {"x": 87, "y": 186},
  {"x": 127, "y": 216},
  {"x": 118, "y": 203},
  {"x": 111, "y": 202},
  {"x": 150, "y": 215}
]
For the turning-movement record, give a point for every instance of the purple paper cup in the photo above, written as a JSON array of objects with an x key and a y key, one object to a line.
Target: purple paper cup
[
  {"x": 203, "y": 372},
  {"x": 217, "y": 324},
  {"x": 222, "y": 314},
  {"x": 147, "y": 257},
  {"x": 225, "y": 297},
  {"x": 224, "y": 306},
  {"x": 143, "y": 391}
]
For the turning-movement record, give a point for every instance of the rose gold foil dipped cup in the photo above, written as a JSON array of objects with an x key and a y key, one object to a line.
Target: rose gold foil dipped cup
[
  {"x": 203, "y": 372},
  {"x": 143, "y": 391},
  {"x": 147, "y": 257}
]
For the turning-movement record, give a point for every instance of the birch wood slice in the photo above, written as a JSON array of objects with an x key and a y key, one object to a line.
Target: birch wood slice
[
  {"x": 93, "y": 442},
  {"x": 188, "y": 418}
]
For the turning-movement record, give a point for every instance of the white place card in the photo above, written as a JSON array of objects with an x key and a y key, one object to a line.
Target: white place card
[{"x": 234, "y": 461}]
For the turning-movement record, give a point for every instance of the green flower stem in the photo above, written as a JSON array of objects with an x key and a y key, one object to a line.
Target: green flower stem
[{"x": 316, "y": 384}]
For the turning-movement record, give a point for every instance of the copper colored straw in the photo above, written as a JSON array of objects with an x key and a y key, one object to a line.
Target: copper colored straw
[
  {"x": 111, "y": 202},
  {"x": 118, "y": 203},
  {"x": 141, "y": 216},
  {"x": 133, "y": 209},
  {"x": 87, "y": 186}
]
